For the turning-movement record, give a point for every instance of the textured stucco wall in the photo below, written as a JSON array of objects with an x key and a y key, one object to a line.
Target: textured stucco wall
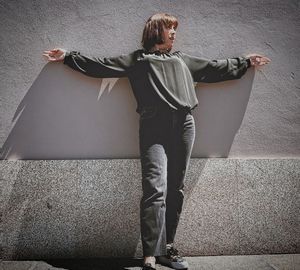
[{"x": 260, "y": 121}]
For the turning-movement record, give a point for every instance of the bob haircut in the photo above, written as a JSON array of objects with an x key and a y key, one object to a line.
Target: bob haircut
[{"x": 153, "y": 30}]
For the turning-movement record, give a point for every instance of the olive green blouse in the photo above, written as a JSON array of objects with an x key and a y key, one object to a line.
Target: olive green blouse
[{"x": 158, "y": 77}]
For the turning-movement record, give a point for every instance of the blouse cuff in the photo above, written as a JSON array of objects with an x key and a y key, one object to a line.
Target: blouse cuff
[
  {"x": 69, "y": 54},
  {"x": 248, "y": 62}
]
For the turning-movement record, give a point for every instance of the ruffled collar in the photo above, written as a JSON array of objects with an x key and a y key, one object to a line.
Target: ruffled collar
[{"x": 157, "y": 52}]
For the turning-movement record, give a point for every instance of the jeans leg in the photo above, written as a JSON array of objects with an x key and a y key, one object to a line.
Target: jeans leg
[
  {"x": 154, "y": 186},
  {"x": 179, "y": 153}
]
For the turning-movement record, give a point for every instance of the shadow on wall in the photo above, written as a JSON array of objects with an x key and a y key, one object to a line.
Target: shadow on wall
[
  {"x": 63, "y": 116},
  {"x": 219, "y": 115},
  {"x": 67, "y": 115}
]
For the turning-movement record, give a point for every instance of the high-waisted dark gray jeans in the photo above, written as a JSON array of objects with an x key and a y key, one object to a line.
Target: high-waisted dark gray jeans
[{"x": 166, "y": 140}]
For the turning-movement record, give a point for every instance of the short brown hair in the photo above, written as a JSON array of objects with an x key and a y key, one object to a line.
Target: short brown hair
[{"x": 153, "y": 30}]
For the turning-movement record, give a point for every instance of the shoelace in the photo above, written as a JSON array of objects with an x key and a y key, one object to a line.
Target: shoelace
[{"x": 173, "y": 254}]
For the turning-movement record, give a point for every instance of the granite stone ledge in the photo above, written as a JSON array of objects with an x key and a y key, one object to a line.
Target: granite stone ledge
[
  {"x": 244, "y": 262},
  {"x": 90, "y": 208}
]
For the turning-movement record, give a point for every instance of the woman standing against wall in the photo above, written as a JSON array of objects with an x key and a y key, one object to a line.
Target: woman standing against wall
[{"x": 163, "y": 85}]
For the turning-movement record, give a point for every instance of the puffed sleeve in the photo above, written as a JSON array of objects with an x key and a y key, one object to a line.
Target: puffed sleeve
[
  {"x": 205, "y": 70},
  {"x": 107, "y": 67}
]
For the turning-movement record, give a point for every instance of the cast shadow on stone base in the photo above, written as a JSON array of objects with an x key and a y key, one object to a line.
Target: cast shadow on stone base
[{"x": 60, "y": 209}]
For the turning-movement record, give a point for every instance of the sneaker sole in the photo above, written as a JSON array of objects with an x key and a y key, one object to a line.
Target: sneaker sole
[{"x": 175, "y": 265}]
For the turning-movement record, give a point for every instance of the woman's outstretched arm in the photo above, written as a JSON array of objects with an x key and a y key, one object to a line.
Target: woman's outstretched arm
[
  {"x": 205, "y": 70},
  {"x": 108, "y": 67}
]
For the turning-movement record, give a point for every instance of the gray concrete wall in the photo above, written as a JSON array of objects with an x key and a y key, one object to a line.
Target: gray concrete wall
[{"x": 49, "y": 111}]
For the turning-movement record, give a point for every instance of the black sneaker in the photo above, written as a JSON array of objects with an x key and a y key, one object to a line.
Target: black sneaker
[
  {"x": 147, "y": 266},
  {"x": 172, "y": 259}
]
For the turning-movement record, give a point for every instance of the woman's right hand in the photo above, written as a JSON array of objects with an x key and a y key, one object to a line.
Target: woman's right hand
[{"x": 55, "y": 55}]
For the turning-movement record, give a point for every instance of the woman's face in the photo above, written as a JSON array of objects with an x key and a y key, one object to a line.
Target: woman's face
[{"x": 169, "y": 36}]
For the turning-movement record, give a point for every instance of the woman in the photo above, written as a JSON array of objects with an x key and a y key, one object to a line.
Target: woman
[{"x": 163, "y": 85}]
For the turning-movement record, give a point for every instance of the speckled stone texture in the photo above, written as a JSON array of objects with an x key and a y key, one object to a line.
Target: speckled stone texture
[
  {"x": 243, "y": 206},
  {"x": 90, "y": 208}
]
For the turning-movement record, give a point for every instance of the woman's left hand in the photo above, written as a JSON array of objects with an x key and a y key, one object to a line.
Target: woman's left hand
[{"x": 257, "y": 59}]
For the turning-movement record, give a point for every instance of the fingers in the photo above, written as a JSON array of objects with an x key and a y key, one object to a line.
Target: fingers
[
  {"x": 53, "y": 51},
  {"x": 267, "y": 59},
  {"x": 50, "y": 58},
  {"x": 263, "y": 61},
  {"x": 48, "y": 53},
  {"x": 47, "y": 57},
  {"x": 52, "y": 55},
  {"x": 258, "y": 59},
  {"x": 260, "y": 62}
]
